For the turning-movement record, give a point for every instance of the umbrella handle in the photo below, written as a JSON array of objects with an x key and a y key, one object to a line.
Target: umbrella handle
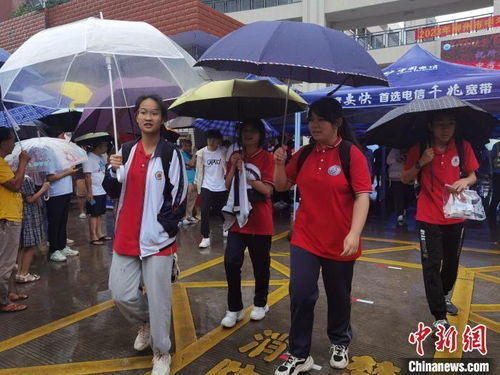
[
  {"x": 286, "y": 110},
  {"x": 113, "y": 114}
]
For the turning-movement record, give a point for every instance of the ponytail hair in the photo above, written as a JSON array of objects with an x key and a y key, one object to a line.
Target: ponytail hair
[{"x": 331, "y": 110}]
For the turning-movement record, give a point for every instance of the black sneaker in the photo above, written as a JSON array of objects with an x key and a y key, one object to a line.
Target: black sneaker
[
  {"x": 294, "y": 366},
  {"x": 442, "y": 322},
  {"x": 340, "y": 356},
  {"x": 450, "y": 307}
]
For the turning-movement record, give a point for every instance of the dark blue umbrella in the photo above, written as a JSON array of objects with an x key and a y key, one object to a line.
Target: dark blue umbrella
[
  {"x": 294, "y": 50},
  {"x": 229, "y": 128}
]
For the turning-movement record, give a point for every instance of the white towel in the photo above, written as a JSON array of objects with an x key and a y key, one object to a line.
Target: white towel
[{"x": 238, "y": 206}]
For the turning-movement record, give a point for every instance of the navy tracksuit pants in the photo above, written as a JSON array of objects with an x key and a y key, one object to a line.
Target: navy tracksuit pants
[{"x": 337, "y": 277}]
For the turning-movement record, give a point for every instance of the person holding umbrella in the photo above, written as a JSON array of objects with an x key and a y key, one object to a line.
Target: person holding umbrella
[
  {"x": 257, "y": 232},
  {"x": 334, "y": 181},
  {"x": 152, "y": 202},
  {"x": 435, "y": 164}
]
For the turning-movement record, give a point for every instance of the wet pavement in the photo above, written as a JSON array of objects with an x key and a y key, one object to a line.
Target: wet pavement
[{"x": 72, "y": 326}]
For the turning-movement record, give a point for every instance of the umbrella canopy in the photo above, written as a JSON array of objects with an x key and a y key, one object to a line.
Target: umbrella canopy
[
  {"x": 93, "y": 138},
  {"x": 229, "y": 128},
  {"x": 96, "y": 53},
  {"x": 47, "y": 154},
  {"x": 98, "y": 118},
  {"x": 20, "y": 114},
  {"x": 66, "y": 120},
  {"x": 295, "y": 50},
  {"x": 406, "y": 125},
  {"x": 237, "y": 100}
]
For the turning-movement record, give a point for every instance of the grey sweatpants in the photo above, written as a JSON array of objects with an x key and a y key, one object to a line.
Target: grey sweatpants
[
  {"x": 154, "y": 307},
  {"x": 10, "y": 235}
]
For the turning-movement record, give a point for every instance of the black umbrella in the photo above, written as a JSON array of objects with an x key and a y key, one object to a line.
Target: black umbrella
[
  {"x": 65, "y": 121},
  {"x": 406, "y": 125}
]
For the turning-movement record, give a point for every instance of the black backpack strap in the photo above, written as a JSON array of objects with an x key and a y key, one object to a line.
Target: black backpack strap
[
  {"x": 306, "y": 150},
  {"x": 345, "y": 160},
  {"x": 459, "y": 144}
]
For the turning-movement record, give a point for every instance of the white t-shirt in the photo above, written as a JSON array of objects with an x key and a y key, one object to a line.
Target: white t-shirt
[
  {"x": 213, "y": 175},
  {"x": 60, "y": 187},
  {"x": 96, "y": 166}
]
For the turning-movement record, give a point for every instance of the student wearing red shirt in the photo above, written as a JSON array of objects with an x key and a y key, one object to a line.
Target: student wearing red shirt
[
  {"x": 326, "y": 232},
  {"x": 440, "y": 238},
  {"x": 256, "y": 234},
  {"x": 146, "y": 225}
]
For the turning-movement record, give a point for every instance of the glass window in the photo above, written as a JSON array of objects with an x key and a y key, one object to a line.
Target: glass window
[
  {"x": 220, "y": 6},
  {"x": 283, "y": 2},
  {"x": 377, "y": 41},
  {"x": 410, "y": 36},
  {"x": 271, "y": 3},
  {"x": 231, "y": 6},
  {"x": 393, "y": 39},
  {"x": 259, "y": 4},
  {"x": 363, "y": 40}
]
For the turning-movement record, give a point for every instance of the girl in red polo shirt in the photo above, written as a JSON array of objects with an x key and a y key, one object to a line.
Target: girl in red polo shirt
[
  {"x": 257, "y": 232},
  {"x": 440, "y": 238},
  {"x": 326, "y": 232},
  {"x": 152, "y": 202}
]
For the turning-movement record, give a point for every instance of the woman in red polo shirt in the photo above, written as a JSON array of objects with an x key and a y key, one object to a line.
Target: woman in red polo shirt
[
  {"x": 152, "y": 202},
  {"x": 440, "y": 238},
  {"x": 257, "y": 232},
  {"x": 326, "y": 232}
]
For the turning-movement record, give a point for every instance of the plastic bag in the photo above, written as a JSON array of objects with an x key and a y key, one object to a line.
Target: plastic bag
[{"x": 466, "y": 205}]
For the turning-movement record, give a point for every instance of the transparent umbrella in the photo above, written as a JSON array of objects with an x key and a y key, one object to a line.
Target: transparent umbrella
[{"x": 96, "y": 53}]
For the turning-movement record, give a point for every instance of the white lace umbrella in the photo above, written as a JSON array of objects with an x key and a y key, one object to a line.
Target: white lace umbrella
[
  {"x": 97, "y": 53},
  {"x": 47, "y": 154}
]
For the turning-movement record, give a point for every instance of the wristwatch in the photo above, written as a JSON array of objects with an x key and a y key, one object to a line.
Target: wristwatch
[{"x": 418, "y": 166}]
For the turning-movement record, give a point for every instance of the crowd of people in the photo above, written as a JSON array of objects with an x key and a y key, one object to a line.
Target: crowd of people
[{"x": 163, "y": 186}]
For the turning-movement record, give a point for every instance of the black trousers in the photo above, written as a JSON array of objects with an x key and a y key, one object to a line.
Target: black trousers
[
  {"x": 337, "y": 277},
  {"x": 402, "y": 195},
  {"x": 211, "y": 200},
  {"x": 440, "y": 247},
  {"x": 57, "y": 215},
  {"x": 259, "y": 247},
  {"x": 495, "y": 199}
]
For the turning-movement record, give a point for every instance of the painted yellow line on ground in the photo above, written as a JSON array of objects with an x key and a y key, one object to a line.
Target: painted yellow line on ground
[
  {"x": 389, "y": 262},
  {"x": 462, "y": 297},
  {"x": 279, "y": 236},
  {"x": 280, "y": 267},
  {"x": 184, "y": 330},
  {"x": 483, "y": 307},
  {"x": 389, "y": 249},
  {"x": 83, "y": 368},
  {"x": 485, "y": 269},
  {"x": 201, "y": 267},
  {"x": 223, "y": 284},
  {"x": 207, "y": 342},
  {"x": 54, "y": 326},
  {"x": 484, "y": 251},
  {"x": 489, "y": 323},
  {"x": 487, "y": 277},
  {"x": 280, "y": 254}
]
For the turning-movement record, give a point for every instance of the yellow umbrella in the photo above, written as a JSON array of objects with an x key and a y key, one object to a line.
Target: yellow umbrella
[
  {"x": 79, "y": 92},
  {"x": 237, "y": 100}
]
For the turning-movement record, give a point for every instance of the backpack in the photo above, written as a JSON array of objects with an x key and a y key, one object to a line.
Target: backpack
[{"x": 345, "y": 158}]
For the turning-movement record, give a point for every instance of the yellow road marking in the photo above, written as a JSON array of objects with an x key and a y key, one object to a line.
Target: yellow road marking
[
  {"x": 279, "y": 236},
  {"x": 462, "y": 297},
  {"x": 205, "y": 343},
  {"x": 223, "y": 284},
  {"x": 485, "y": 269},
  {"x": 280, "y": 254},
  {"x": 488, "y": 277},
  {"x": 484, "y": 251},
  {"x": 54, "y": 326},
  {"x": 389, "y": 249},
  {"x": 491, "y": 324},
  {"x": 280, "y": 267},
  {"x": 482, "y": 307},
  {"x": 184, "y": 330},
  {"x": 201, "y": 267},
  {"x": 83, "y": 368},
  {"x": 389, "y": 262}
]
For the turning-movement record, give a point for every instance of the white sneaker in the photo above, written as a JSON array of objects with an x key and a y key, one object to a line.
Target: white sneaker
[
  {"x": 401, "y": 220},
  {"x": 205, "y": 242},
  {"x": 231, "y": 318},
  {"x": 68, "y": 252},
  {"x": 259, "y": 313},
  {"x": 294, "y": 366},
  {"x": 340, "y": 356},
  {"x": 143, "y": 339},
  {"x": 82, "y": 216},
  {"x": 57, "y": 256},
  {"x": 161, "y": 364},
  {"x": 186, "y": 222},
  {"x": 225, "y": 233},
  {"x": 193, "y": 219},
  {"x": 69, "y": 241}
]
